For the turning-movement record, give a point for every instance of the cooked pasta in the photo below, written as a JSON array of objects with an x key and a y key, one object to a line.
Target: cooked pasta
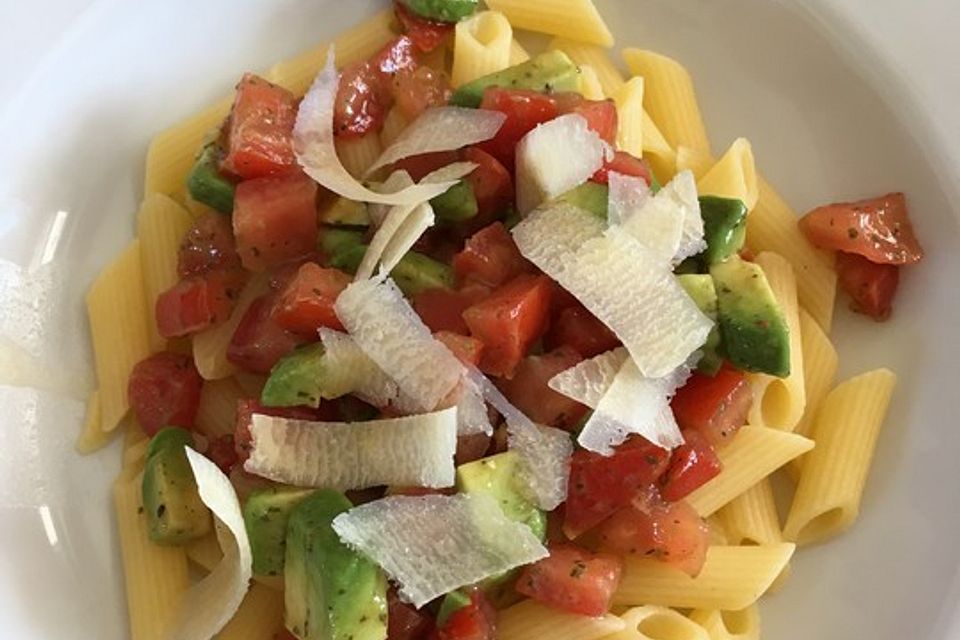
[
  {"x": 597, "y": 58},
  {"x": 698, "y": 162},
  {"x": 93, "y": 437},
  {"x": 752, "y": 518},
  {"x": 733, "y": 176},
  {"x": 359, "y": 154},
  {"x": 658, "y": 623},
  {"x": 529, "y": 620},
  {"x": 517, "y": 53},
  {"x": 482, "y": 45},
  {"x": 216, "y": 414},
  {"x": 731, "y": 578},
  {"x": 574, "y": 19},
  {"x": 260, "y": 616},
  {"x": 831, "y": 484},
  {"x": 629, "y": 100},
  {"x": 729, "y": 625},
  {"x": 657, "y": 150},
  {"x": 590, "y": 84},
  {"x": 393, "y": 126}
]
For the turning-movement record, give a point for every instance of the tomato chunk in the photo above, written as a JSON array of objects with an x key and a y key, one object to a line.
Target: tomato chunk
[
  {"x": 692, "y": 465},
  {"x": 242, "y": 439},
  {"x": 306, "y": 303},
  {"x": 510, "y": 321},
  {"x": 528, "y": 389},
  {"x": 524, "y": 110},
  {"x": 600, "y": 485},
  {"x": 426, "y": 34},
  {"x": 878, "y": 229},
  {"x": 404, "y": 622},
  {"x": 872, "y": 286},
  {"x": 164, "y": 391},
  {"x": 601, "y": 115},
  {"x": 442, "y": 309},
  {"x": 490, "y": 257},
  {"x": 415, "y": 91},
  {"x": 260, "y": 139},
  {"x": 573, "y": 579},
  {"x": 715, "y": 407},
  {"x": 208, "y": 246},
  {"x": 197, "y": 303},
  {"x": 625, "y": 164},
  {"x": 223, "y": 452},
  {"x": 361, "y": 102},
  {"x": 491, "y": 182},
  {"x": 468, "y": 350},
  {"x": 259, "y": 342},
  {"x": 275, "y": 220},
  {"x": 580, "y": 330},
  {"x": 476, "y": 621},
  {"x": 670, "y": 532}
]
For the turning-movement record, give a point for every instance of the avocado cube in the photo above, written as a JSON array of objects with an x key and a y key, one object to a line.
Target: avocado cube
[
  {"x": 297, "y": 379},
  {"x": 266, "y": 514},
  {"x": 442, "y": 10},
  {"x": 724, "y": 227},
  {"x": 171, "y": 501},
  {"x": 343, "y": 212},
  {"x": 548, "y": 72},
  {"x": 416, "y": 272},
  {"x": 456, "y": 204},
  {"x": 498, "y": 477},
  {"x": 700, "y": 288},
  {"x": 206, "y": 184},
  {"x": 590, "y": 196}
]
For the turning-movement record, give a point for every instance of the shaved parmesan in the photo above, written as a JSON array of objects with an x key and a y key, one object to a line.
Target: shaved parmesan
[
  {"x": 441, "y": 129},
  {"x": 682, "y": 190},
  {"x": 411, "y": 451},
  {"x": 555, "y": 157},
  {"x": 210, "y": 604},
  {"x": 588, "y": 380},
  {"x": 658, "y": 226},
  {"x": 348, "y": 370},
  {"x": 432, "y": 545},
  {"x": 313, "y": 144},
  {"x": 472, "y": 416},
  {"x": 628, "y": 194},
  {"x": 552, "y": 234},
  {"x": 396, "y": 181}
]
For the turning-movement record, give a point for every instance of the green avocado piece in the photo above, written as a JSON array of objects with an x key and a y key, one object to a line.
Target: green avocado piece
[
  {"x": 175, "y": 513},
  {"x": 456, "y": 204},
  {"x": 701, "y": 289},
  {"x": 498, "y": 477},
  {"x": 548, "y": 72},
  {"x": 442, "y": 10},
  {"x": 343, "y": 212},
  {"x": 590, "y": 196},
  {"x": 266, "y": 514},
  {"x": 206, "y": 184},
  {"x": 724, "y": 227},
  {"x": 416, "y": 272},
  {"x": 331, "y": 592},
  {"x": 451, "y": 603},
  {"x": 755, "y": 333},
  {"x": 296, "y": 379}
]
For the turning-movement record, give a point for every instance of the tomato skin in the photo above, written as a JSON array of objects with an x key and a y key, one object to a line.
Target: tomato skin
[
  {"x": 197, "y": 303},
  {"x": 398, "y": 55},
  {"x": 872, "y": 286},
  {"x": 208, "y": 246},
  {"x": 601, "y": 115},
  {"x": 715, "y": 407},
  {"x": 260, "y": 137},
  {"x": 306, "y": 302},
  {"x": 878, "y": 229},
  {"x": 490, "y": 257},
  {"x": 476, "y": 621},
  {"x": 468, "y": 350},
  {"x": 259, "y": 342},
  {"x": 577, "y": 328},
  {"x": 275, "y": 220},
  {"x": 692, "y": 465},
  {"x": 222, "y": 452},
  {"x": 415, "y": 91},
  {"x": 492, "y": 183},
  {"x": 524, "y": 110},
  {"x": 164, "y": 391},
  {"x": 510, "y": 321},
  {"x": 404, "y": 622},
  {"x": 361, "y": 103},
  {"x": 442, "y": 309},
  {"x": 573, "y": 579},
  {"x": 529, "y": 392},
  {"x": 599, "y": 486},
  {"x": 427, "y": 35},
  {"x": 625, "y": 164}
]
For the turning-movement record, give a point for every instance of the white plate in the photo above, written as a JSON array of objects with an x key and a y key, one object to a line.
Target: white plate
[{"x": 824, "y": 127}]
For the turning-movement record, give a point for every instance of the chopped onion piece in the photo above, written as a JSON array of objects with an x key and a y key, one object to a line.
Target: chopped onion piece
[
  {"x": 441, "y": 129},
  {"x": 348, "y": 370},
  {"x": 410, "y": 451},
  {"x": 210, "y": 604},
  {"x": 628, "y": 195},
  {"x": 434, "y": 544},
  {"x": 588, "y": 380},
  {"x": 313, "y": 143}
]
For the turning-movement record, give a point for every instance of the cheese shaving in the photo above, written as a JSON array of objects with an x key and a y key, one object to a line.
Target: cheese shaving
[
  {"x": 410, "y": 451},
  {"x": 682, "y": 190},
  {"x": 432, "y": 545},
  {"x": 628, "y": 195},
  {"x": 348, "y": 370},
  {"x": 551, "y": 235},
  {"x": 588, "y": 380}
]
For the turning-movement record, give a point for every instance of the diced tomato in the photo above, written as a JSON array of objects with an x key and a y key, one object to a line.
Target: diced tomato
[
  {"x": 625, "y": 164},
  {"x": 579, "y": 329},
  {"x": 600, "y": 485},
  {"x": 490, "y": 257},
  {"x": 208, "y": 246},
  {"x": 524, "y": 109},
  {"x": 692, "y": 465},
  {"x": 275, "y": 220},
  {"x": 404, "y": 622},
  {"x": 442, "y": 309},
  {"x": 164, "y": 391},
  {"x": 419, "y": 166},
  {"x": 573, "y": 579},
  {"x": 601, "y": 115},
  {"x": 197, "y": 303},
  {"x": 245, "y": 410},
  {"x": 259, "y": 342},
  {"x": 471, "y": 447},
  {"x": 528, "y": 389},
  {"x": 223, "y": 452},
  {"x": 468, "y": 350},
  {"x": 491, "y": 182},
  {"x": 260, "y": 139},
  {"x": 872, "y": 286},
  {"x": 510, "y": 321},
  {"x": 476, "y": 621},
  {"x": 306, "y": 303},
  {"x": 878, "y": 229},
  {"x": 670, "y": 532},
  {"x": 361, "y": 103},
  {"x": 715, "y": 407},
  {"x": 426, "y": 34},
  {"x": 398, "y": 55},
  {"x": 415, "y": 91}
]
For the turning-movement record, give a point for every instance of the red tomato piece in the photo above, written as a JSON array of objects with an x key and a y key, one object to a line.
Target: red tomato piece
[
  {"x": 361, "y": 103},
  {"x": 599, "y": 485},
  {"x": 275, "y": 220},
  {"x": 601, "y": 115},
  {"x": 468, "y": 350},
  {"x": 878, "y": 229},
  {"x": 524, "y": 110},
  {"x": 197, "y": 303},
  {"x": 306, "y": 303},
  {"x": 208, "y": 246},
  {"x": 398, "y": 55},
  {"x": 872, "y": 286},
  {"x": 692, "y": 465},
  {"x": 259, "y": 342},
  {"x": 510, "y": 321},
  {"x": 415, "y": 91},
  {"x": 426, "y": 34},
  {"x": 404, "y": 622},
  {"x": 625, "y": 164},
  {"x": 260, "y": 139},
  {"x": 491, "y": 182},
  {"x": 715, "y": 407},
  {"x": 476, "y": 621},
  {"x": 164, "y": 391},
  {"x": 442, "y": 309},
  {"x": 573, "y": 579},
  {"x": 670, "y": 532},
  {"x": 245, "y": 410},
  {"x": 223, "y": 452},
  {"x": 528, "y": 389},
  {"x": 580, "y": 330},
  {"x": 471, "y": 447},
  {"x": 490, "y": 257}
]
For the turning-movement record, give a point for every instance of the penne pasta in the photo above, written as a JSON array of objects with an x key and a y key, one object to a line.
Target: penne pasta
[
  {"x": 359, "y": 154},
  {"x": 743, "y": 624},
  {"x": 629, "y": 101},
  {"x": 518, "y": 54},
  {"x": 529, "y": 620},
  {"x": 658, "y": 623},
  {"x": 597, "y": 58},
  {"x": 217, "y": 412},
  {"x": 697, "y": 162},
  {"x": 93, "y": 437},
  {"x": 733, "y": 176},
  {"x": 574, "y": 19},
  {"x": 393, "y": 126},
  {"x": 590, "y": 84},
  {"x": 260, "y": 616},
  {"x": 752, "y": 518},
  {"x": 482, "y": 45}
]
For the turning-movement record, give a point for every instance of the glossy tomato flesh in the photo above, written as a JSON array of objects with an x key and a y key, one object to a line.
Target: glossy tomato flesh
[
  {"x": 529, "y": 392},
  {"x": 490, "y": 257},
  {"x": 601, "y": 115},
  {"x": 442, "y": 309},
  {"x": 468, "y": 350},
  {"x": 208, "y": 246},
  {"x": 197, "y": 303},
  {"x": 306, "y": 302},
  {"x": 692, "y": 465},
  {"x": 715, "y": 406},
  {"x": 260, "y": 136},
  {"x": 872, "y": 286},
  {"x": 577, "y": 328},
  {"x": 427, "y": 35},
  {"x": 524, "y": 110},
  {"x": 572, "y": 579},
  {"x": 259, "y": 342},
  {"x": 164, "y": 391},
  {"x": 491, "y": 182},
  {"x": 625, "y": 164}
]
